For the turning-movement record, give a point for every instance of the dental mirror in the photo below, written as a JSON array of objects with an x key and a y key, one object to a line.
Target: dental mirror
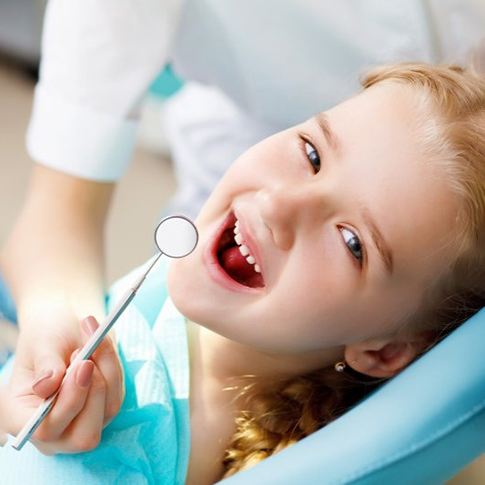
[{"x": 175, "y": 237}]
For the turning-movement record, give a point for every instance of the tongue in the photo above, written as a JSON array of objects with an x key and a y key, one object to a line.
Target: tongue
[{"x": 236, "y": 266}]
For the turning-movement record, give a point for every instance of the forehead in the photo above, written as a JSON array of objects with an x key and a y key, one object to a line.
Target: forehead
[{"x": 385, "y": 167}]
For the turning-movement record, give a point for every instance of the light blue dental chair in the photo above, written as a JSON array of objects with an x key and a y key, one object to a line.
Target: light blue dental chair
[{"x": 421, "y": 427}]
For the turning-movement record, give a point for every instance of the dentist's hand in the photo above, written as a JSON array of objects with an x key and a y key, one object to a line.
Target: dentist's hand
[
  {"x": 90, "y": 396},
  {"x": 53, "y": 263}
]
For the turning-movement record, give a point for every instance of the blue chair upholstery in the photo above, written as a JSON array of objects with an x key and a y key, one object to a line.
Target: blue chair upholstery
[{"x": 421, "y": 427}]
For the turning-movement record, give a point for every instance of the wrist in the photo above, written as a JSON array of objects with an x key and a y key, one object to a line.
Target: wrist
[{"x": 57, "y": 308}]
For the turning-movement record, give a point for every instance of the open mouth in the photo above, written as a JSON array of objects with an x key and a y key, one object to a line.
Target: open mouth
[{"x": 234, "y": 256}]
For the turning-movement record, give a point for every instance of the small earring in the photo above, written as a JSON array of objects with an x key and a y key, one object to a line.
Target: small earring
[{"x": 340, "y": 366}]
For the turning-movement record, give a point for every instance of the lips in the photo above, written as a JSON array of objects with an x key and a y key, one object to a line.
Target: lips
[{"x": 227, "y": 265}]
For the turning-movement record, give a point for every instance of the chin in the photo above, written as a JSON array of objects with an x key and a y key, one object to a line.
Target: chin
[
  {"x": 177, "y": 288},
  {"x": 185, "y": 291},
  {"x": 188, "y": 298}
]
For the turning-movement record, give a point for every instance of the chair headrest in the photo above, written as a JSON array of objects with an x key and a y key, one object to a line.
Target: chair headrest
[{"x": 422, "y": 426}]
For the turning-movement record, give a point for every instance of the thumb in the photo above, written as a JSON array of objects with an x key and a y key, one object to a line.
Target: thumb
[{"x": 49, "y": 372}]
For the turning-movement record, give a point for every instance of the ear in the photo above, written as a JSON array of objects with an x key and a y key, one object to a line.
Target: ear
[{"x": 382, "y": 357}]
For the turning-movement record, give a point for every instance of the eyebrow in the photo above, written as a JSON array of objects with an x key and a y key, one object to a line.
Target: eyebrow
[
  {"x": 322, "y": 121},
  {"x": 383, "y": 249}
]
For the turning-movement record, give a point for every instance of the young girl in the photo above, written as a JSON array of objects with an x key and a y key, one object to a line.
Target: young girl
[{"x": 330, "y": 256}]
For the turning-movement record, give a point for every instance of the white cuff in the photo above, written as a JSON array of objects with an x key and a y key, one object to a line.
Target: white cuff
[{"x": 79, "y": 140}]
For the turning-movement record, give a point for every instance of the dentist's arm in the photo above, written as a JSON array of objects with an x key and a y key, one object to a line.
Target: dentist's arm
[
  {"x": 53, "y": 262},
  {"x": 56, "y": 245},
  {"x": 98, "y": 58}
]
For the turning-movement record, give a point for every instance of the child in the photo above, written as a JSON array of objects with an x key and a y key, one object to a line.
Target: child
[{"x": 330, "y": 256}]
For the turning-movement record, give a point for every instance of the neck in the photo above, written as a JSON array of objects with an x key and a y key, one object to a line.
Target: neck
[
  {"x": 217, "y": 367},
  {"x": 222, "y": 361}
]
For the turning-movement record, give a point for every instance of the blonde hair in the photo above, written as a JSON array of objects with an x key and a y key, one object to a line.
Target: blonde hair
[{"x": 455, "y": 134}]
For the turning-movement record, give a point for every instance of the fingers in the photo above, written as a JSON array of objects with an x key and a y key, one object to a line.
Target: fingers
[
  {"x": 85, "y": 431},
  {"x": 91, "y": 394},
  {"x": 69, "y": 403},
  {"x": 107, "y": 361},
  {"x": 82, "y": 433},
  {"x": 48, "y": 377}
]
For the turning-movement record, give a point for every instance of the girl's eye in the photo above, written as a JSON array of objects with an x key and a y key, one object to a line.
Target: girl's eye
[
  {"x": 313, "y": 156},
  {"x": 353, "y": 243}
]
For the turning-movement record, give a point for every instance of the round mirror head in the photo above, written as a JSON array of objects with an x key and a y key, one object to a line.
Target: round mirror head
[{"x": 176, "y": 236}]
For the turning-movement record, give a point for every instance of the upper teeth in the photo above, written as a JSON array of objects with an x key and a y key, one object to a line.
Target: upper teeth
[{"x": 243, "y": 249}]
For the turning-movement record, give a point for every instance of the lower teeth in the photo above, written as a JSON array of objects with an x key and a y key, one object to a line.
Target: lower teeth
[{"x": 230, "y": 262}]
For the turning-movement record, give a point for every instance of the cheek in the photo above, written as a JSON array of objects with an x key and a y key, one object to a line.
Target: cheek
[
  {"x": 235, "y": 181},
  {"x": 274, "y": 159},
  {"x": 313, "y": 302},
  {"x": 183, "y": 286},
  {"x": 177, "y": 285}
]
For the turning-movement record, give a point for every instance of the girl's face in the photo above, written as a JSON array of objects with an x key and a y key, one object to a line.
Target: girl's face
[{"x": 347, "y": 219}]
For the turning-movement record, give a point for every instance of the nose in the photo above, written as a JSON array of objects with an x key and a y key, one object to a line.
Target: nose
[{"x": 286, "y": 209}]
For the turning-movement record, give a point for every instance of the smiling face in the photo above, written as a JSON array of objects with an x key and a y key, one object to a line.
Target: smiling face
[{"x": 346, "y": 218}]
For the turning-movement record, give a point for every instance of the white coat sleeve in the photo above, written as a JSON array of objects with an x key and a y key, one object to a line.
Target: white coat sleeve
[{"x": 98, "y": 58}]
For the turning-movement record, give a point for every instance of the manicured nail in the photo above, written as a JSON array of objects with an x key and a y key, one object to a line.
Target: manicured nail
[
  {"x": 90, "y": 325},
  {"x": 43, "y": 377},
  {"x": 84, "y": 373},
  {"x": 74, "y": 354}
]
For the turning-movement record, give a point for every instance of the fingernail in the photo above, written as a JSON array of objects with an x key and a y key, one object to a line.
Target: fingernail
[
  {"x": 74, "y": 354},
  {"x": 43, "y": 377},
  {"x": 90, "y": 325},
  {"x": 85, "y": 373}
]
